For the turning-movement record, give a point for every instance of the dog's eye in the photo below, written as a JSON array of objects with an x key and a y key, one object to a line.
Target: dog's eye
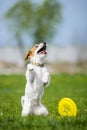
[{"x": 36, "y": 46}]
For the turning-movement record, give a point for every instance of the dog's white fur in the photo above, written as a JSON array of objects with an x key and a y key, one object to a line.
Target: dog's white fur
[{"x": 37, "y": 78}]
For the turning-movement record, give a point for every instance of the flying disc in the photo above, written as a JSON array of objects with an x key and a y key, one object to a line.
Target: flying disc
[{"x": 67, "y": 107}]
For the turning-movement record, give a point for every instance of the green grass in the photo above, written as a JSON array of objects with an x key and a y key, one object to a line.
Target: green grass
[{"x": 62, "y": 85}]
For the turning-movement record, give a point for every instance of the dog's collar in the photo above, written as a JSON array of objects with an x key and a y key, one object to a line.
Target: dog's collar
[{"x": 37, "y": 64}]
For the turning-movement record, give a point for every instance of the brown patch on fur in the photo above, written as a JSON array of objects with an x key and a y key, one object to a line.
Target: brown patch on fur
[
  {"x": 31, "y": 52},
  {"x": 27, "y": 55}
]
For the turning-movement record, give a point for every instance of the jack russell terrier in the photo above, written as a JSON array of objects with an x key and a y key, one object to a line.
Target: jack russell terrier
[{"x": 37, "y": 78}]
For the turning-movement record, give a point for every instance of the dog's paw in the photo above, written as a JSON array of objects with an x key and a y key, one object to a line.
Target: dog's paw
[
  {"x": 45, "y": 84},
  {"x": 46, "y": 80},
  {"x": 24, "y": 113},
  {"x": 30, "y": 67}
]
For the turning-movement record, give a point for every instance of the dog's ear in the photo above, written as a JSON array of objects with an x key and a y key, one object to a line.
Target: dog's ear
[{"x": 28, "y": 55}]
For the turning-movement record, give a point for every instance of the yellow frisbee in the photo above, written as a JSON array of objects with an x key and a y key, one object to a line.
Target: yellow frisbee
[{"x": 67, "y": 107}]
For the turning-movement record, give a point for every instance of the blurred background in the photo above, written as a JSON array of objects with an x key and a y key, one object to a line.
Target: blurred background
[{"x": 60, "y": 23}]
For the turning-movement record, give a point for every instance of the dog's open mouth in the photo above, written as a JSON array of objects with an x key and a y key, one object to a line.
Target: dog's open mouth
[{"x": 42, "y": 50}]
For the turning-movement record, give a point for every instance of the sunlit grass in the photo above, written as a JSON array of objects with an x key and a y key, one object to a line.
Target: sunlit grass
[{"x": 62, "y": 85}]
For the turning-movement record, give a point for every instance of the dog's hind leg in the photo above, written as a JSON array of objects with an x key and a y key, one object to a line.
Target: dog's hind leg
[
  {"x": 40, "y": 110},
  {"x": 27, "y": 110},
  {"x": 22, "y": 100}
]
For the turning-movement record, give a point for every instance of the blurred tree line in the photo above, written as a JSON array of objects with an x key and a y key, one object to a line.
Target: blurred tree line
[{"x": 39, "y": 20}]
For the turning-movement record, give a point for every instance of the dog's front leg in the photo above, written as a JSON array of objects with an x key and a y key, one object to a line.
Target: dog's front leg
[
  {"x": 46, "y": 78},
  {"x": 30, "y": 73}
]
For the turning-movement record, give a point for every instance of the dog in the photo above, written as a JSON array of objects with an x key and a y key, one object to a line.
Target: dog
[{"x": 37, "y": 78}]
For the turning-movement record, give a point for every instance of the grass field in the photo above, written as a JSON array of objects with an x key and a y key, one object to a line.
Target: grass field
[{"x": 62, "y": 85}]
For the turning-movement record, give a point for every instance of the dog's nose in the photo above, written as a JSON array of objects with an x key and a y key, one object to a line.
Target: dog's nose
[{"x": 44, "y": 43}]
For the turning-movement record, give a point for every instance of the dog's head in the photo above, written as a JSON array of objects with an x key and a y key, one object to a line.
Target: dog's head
[{"x": 37, "y": 52}]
